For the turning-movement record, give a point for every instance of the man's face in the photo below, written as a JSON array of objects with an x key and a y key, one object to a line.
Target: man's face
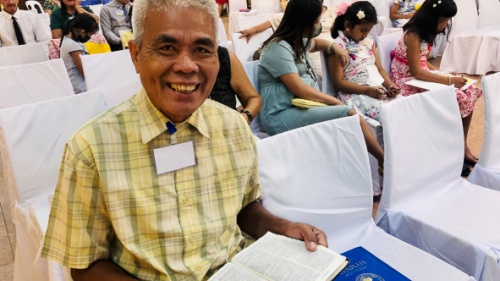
[
  {"x": 177, "y": 61},
  {"x": 9, "y": 6}
]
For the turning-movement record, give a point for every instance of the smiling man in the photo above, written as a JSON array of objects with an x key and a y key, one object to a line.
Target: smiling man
[
  {"x": 162, "y": 186},
  {"x": 19, "y": 27}
]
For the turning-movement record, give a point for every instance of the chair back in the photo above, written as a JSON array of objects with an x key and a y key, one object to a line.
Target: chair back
[
  {"x": 236, "y": 5},
  {"x": 114, "y": 74},
  {"x": 28, "y": 83},
  {"x": 488, "y": 13},
  {"x": 266, "y": 6},
  {"x": 466, "y": 18},
  {"x": 326, "y": 83},
  {"x": 23, "y": 54},
  {"x": 487, "y": 171},
  {"x": 424, "y": 148},
  {"x": 385, "y": 45},
  {"x": 318, "y": 174},
  {"x": 252, "y": 71},
  {"x": 244, "y": 50},
  {"x": 245, "y": 22},
  {"x": 221, "y": 35},
  {"x": 35, "y": 7},
  {"x": 32, "y": 146}
]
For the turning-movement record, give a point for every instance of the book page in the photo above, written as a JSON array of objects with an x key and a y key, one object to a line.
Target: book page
[
  {"x": 231, "y": 272},
  {"x": 433, "y": 85},
  {"x": 281, "y": 258}
]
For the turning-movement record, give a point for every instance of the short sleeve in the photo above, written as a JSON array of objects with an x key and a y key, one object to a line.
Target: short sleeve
[
  {"x": 279, "y": 59},
  {"x": 56, "y": 21},
  {"x": 275, "y": 20},
  {"x": 79, "y": 230},
  {"x": 74, "y": 46}
]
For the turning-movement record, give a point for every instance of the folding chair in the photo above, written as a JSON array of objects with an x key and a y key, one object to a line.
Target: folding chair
[
  {"x": 31, "y": 149},
  {"x": 385, "y": 45},
  {"x": 487, "y": 171},
  {"x": 35, "y": 7},
  {"x": 114, "y": 74},
  {"x": 425, "y": 202},
  {"x": 319, "y": 175},
  {"x": 27, "y": 83}
]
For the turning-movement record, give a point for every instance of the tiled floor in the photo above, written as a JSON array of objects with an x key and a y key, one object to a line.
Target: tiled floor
[{"x": 7, "y": 231}]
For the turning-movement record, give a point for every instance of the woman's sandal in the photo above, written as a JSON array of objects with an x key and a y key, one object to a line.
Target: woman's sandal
[
  {"x": 381, "y": 171},
  {"x": 469, "y": 162}
]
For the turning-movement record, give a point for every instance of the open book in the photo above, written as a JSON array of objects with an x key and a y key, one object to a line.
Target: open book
[
  {"x": 432, "y": 85},
  {"x": 276, "y": 257}
]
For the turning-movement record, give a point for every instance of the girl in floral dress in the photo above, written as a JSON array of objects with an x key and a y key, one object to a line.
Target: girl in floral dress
[
  {"x": 410, "y": 60},
  {"x": 363, "y": 83},
  {"x": 402, "y": 11}
]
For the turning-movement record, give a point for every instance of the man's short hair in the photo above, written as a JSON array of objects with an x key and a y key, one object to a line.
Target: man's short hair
[{"x": 142, "y": 7}]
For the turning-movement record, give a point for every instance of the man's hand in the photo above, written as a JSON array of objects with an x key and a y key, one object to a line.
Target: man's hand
[{"x": 309, "y": 234}]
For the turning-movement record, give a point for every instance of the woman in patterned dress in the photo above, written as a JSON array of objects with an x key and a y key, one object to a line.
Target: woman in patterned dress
[{"x": 410, "y": 60}]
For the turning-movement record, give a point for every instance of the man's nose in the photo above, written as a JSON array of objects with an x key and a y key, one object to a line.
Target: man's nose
[{"x": 185, "y": 63}]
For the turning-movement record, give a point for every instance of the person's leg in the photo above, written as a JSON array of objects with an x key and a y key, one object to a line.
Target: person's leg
[
  {"x": 466, "y": 124},
  {"x": 370, "y": 139}
]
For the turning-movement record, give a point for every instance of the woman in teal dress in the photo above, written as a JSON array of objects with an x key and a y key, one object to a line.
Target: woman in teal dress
[{"x": 285, "y": 73}]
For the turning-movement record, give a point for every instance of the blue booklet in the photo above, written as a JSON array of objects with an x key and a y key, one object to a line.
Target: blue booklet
[{"x": 363, "y": 265}]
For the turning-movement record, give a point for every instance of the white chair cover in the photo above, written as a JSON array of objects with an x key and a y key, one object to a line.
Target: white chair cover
[
  {"x": 266, "y": 6},
  {"x": 31, "y": 149},
  {"x": 97, "y": 11},
  {"x": 244, "y": 50},
  {"x": 425, "y": 202},
  {"x": 114, "y": 74},
  {"x": 236, "y": 5},
  {"x": 466, "y": 18},
  {"x": 385, "y": 45},
  {"x": 319, "y": 175},
  {"x": 27, "y": 83},
  {"x": 327, "y": 87},
  {"x": 487, "y": 171},
  {"x": 488, "y": 13},
  {"x": 252, "y": 71},
  {"x": 23, "y": 54},
  {"x": 245, "y": 22},
  {"x": 222, "y": 36}
]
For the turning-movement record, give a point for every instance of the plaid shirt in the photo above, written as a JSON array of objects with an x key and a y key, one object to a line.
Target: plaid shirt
[{"x": 111, "y": 204}]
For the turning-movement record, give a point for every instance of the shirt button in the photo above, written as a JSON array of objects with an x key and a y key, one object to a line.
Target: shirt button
[
  {"x": 185, "y": 201},
  {"x": 197, "y": 267}
]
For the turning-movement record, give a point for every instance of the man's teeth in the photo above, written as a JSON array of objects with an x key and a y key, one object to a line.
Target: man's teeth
[{"x": 183, "y": 88}]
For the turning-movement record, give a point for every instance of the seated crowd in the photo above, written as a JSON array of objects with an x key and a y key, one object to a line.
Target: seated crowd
[{"x": 174, "y": 50}]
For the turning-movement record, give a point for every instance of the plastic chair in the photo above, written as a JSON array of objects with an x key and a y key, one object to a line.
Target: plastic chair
[
  {"x": 487, "y": 171},
  {"x": 28, "y": 83},
  {"x": 425, "y": 202},
  {"x": 222, "y": 36},
  {"x": 266, "y": 6},
  {"x": 35, "y": 7},
  {"x": 31, "y": 149},
  {"x": 252, "y": 71},
  {"x": 319, "y": 175},
  {"x": 23, "y": 54},
  {"x": 114, "y": 74}
]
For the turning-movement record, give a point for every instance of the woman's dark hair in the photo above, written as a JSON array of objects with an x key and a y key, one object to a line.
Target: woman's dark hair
[
  {"x": 425, "y": 21},
  {"x": 351, "y": 16},
  {"x": 298, "y": 23},
  {"x": 81, "y": 21}
]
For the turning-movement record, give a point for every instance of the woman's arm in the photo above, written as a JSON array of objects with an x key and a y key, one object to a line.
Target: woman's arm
[
  {"x": 330, "y": 47},
  {"x": 249, "y": 32},
  {"x": 78, "y": 61},
  {"x": 81, "y": 10},
  {"x": 295, "y": 85},
  {"x": 56, "y": 33},
  {"x": 248, "y": 96}
]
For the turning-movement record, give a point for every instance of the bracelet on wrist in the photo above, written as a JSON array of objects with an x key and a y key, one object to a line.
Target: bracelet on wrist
[
  {"x": 329, "y": 48},
  {"x": 248, "y": 114}
]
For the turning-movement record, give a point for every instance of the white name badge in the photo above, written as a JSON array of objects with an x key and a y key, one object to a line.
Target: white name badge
[
  {"x": 119, "y": 13},
  {"x": 174, "y": 157}
]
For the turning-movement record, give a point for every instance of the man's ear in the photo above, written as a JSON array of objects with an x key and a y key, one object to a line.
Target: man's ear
[{"x": 134, "y": 54}]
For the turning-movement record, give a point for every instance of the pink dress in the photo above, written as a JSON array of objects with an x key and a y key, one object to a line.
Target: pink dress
[{"x": 400, "y": 73}]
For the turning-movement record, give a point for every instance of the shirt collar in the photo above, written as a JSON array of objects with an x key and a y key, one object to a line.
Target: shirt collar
[
  {"x": 9, "y": 16},
  {"x": 153, "y": 123}
]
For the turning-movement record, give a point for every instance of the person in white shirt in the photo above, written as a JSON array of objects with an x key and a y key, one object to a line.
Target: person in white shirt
[{"x": 31, "y": 28}]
